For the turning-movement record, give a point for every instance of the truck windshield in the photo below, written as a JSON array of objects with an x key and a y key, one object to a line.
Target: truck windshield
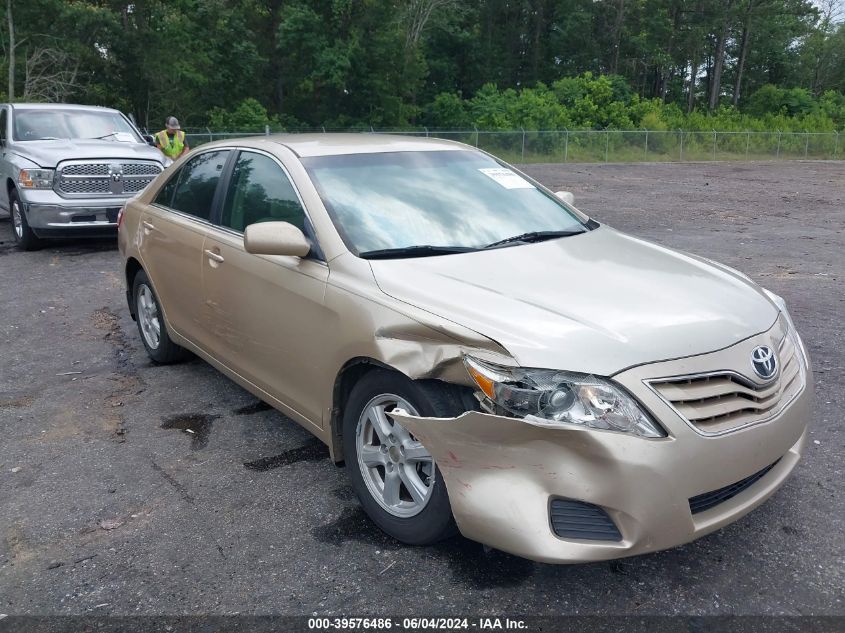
[{"x": 48, "y": 124}]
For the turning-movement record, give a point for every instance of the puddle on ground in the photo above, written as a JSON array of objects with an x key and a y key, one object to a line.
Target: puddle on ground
[
  {"x": 313, "y": 451},
  {"x": 255, "y": 407},
  {"x": 197, "y": 425}
]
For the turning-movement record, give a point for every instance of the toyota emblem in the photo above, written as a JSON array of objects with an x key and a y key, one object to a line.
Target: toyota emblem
[{"x": 764, "y": 362}]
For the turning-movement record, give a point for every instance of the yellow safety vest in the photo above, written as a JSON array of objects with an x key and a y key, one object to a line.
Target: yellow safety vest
[{"x": 172, "y": 148}]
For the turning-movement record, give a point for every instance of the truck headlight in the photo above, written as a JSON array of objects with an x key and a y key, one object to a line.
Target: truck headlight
[
  {"x": 560, "y": 399},
  {"x": 36, "y": 178}
]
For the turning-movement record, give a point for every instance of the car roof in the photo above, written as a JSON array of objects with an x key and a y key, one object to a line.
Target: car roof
[
  {"x": 306, "y": 145},
  {"x": 58, "y": 106}
]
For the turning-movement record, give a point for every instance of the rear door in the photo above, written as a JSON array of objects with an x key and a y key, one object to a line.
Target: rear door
[
  {"x": 173, "y": 229},
  {"x": 266, "y": 312}
]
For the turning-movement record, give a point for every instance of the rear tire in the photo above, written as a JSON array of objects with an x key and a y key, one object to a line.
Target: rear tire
[
  {"x": 399, "y": 485},
  {"x": 151, "y": 325},
  {"x": 23, "y": 234}
]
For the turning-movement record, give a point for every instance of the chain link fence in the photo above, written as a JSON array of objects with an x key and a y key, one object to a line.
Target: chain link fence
[{"x": 592, "y": 146}]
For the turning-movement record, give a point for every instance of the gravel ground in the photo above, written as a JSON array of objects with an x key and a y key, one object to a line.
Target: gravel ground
[{"x": 108, "y": 505}]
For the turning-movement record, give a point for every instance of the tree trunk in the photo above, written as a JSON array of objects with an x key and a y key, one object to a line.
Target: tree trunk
[
  {"x": 719, "y": 59},
  {"x": 617, "y": 36},
  {"x": 692, "y": 76},
  {"x": 743, "y": 55},
  {"x": 11, "y": 51}
]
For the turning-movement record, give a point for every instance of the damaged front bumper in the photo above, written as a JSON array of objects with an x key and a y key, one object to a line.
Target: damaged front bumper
[{"x": 503, "y": 475}]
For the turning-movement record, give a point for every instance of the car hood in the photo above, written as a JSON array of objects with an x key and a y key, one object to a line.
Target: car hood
[
  {"x": 597, "y": 303},
  {"x": 50, "y": 153}
]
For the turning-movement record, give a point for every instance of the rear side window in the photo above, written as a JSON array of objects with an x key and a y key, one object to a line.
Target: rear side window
[
  {"x": 196, "y": 184},
  {"x": 260, "y": 191}
]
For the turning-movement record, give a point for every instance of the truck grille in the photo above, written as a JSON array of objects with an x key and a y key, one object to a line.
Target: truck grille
[
  {"x": 724, "y": 401},
  {"x": 105, "y": 178}
]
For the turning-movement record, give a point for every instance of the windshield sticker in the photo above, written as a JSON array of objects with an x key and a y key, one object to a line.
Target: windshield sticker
[{"x": 506, "y": 178}]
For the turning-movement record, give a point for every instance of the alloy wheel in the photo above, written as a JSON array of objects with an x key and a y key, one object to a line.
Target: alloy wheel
[
  {"x": 148, "y": 316},
  {"x": 397, "y": 468}
]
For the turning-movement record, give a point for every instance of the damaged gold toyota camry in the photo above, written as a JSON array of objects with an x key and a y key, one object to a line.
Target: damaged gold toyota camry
[{"x": 482, "y": 356}]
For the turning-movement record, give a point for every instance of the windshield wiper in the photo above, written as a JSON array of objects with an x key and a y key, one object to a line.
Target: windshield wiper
[
  {"x": 423, "y": 250},
  {"x": 535, "y": 236},
  {"x": 100, "y": 138}
]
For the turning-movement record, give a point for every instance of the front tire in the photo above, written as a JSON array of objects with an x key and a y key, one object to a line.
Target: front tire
[
  {"x": 394, "y": 476},
  {"x": 23, "y": 234},
  {"x": 151, "y": 325}
]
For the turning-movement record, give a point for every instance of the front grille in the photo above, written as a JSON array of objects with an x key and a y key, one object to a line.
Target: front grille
[
  {"x": 105, "y": 178},
  {"x": 135, "y": 185},
  {"x": 86, "y": 186},
  {"x": 702, "y": 502},
  {"x": 89, "y": 169},
  {"x": 583, "y": 521},
  {"x": 141, "y": 169},
  {"x": 724, "y": 401}
]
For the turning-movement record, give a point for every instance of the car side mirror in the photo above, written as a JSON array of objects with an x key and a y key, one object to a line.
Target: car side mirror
[
  {"x": 150, "y": 139},
  {"x": 276, "y": 238},
  {"x": 567, "y": 196}
]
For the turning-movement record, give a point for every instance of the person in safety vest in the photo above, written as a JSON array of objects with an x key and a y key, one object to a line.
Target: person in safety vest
[{"x": 171, "y": 140}]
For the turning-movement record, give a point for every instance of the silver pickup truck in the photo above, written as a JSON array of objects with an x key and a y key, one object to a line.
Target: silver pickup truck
[{"x": 68, "y": 169}]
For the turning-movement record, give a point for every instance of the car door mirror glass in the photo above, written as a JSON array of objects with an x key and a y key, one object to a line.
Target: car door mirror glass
[
  {"x": 567, "y": 196},
  {"x": 276, "y": 238},
  {"x": 150, "y": 139}
]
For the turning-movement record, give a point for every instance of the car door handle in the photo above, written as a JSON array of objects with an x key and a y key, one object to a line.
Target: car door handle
[
  {"x": 214, "y": 256},
  {"x": 148, "y": 225}
]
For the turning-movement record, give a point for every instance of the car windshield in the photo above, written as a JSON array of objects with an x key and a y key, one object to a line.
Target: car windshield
[
  {"x": 442, "y": 200},
  {"x": 53, "y": 123}
]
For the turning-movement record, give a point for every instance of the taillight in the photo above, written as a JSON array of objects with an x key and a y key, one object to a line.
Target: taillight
[{"x": 120, "y": 217}]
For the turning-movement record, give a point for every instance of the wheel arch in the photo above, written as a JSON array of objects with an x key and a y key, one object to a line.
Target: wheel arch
[
  {"x": 133, "y": 267},
  {"x": 350, "y": 373},
  {"x": 354, "y": 370}
]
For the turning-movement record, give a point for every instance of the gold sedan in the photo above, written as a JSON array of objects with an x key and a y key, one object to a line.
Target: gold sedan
[{"x": 482, "y": 356}]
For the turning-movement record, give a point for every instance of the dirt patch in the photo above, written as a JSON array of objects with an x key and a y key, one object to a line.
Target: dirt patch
[
  {"x": 128, "y": 383},
  {"x": 16, "y": 402}
]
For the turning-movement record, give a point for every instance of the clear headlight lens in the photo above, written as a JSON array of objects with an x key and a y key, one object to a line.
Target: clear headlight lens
[
  {"x": 36, "y": 178},
  {"x": 559, "y": 399},
  {"x": 791, "y": 331}
]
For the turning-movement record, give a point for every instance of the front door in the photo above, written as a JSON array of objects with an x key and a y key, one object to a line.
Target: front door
[{"x": 266, "y": 312}]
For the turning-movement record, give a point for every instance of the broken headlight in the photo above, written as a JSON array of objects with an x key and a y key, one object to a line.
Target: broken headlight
[{"x": 560, "y": 399}]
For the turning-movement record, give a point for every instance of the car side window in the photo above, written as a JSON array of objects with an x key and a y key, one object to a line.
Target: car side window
[
  {"x": 4, "y": 117},
  {"x": 260, "y": 191},
  {"x": 196, "y": 184},
  {"x": 165, "y": 194}
]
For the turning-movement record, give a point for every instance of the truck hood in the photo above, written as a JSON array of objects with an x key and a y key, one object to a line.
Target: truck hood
[
  {"x": 595, "y": 303},
  {"x": 49, "y": 153}
]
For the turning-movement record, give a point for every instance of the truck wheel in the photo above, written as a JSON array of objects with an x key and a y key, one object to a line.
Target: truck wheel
[
  {"x": 25, "y": 238},
  {"x": 150, "y": 319},
  {"x": 392, "y": 473}
]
